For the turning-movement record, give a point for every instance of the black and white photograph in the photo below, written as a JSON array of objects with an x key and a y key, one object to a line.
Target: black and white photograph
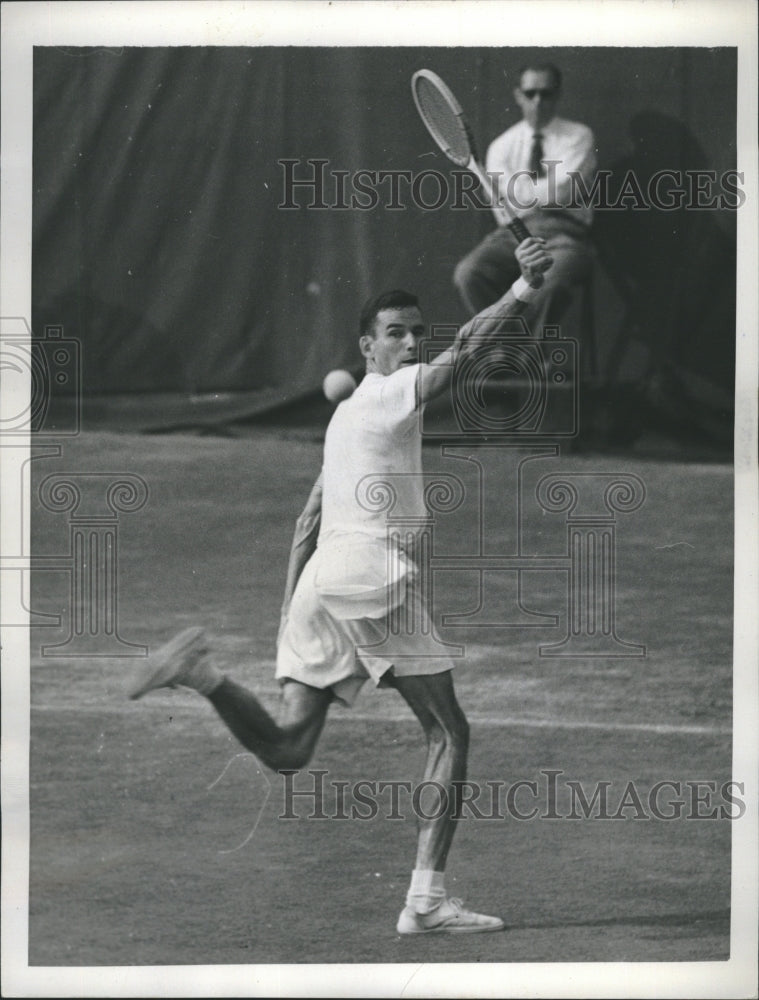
[{"x": 378, "y": 438}]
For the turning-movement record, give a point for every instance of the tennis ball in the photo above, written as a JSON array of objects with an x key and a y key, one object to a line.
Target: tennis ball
[{"x": 338, "y": 385}]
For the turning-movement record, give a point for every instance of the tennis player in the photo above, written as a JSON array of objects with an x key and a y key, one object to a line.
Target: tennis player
[{"x": 344, "y": 584}]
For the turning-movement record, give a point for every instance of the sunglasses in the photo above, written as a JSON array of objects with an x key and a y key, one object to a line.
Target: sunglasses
[{"x": 532, "y": 94}]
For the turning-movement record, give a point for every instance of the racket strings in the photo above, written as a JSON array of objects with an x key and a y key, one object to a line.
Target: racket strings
[{"x": 443, "y": 123}]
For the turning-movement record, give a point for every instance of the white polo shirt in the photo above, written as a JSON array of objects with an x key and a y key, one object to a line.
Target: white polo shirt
[
  {"x": 373, "y": 437},
  {"x": 372, "y": 470}
]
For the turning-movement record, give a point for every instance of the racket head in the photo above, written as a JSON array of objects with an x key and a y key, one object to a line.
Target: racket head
[{"x": 443, "y": 117}]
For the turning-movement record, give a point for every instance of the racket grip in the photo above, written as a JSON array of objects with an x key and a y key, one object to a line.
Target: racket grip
[{"x": 520, "y": 231}]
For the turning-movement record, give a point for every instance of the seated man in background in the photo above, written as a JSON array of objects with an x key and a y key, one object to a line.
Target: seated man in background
[{"x": 531, "y": 163}]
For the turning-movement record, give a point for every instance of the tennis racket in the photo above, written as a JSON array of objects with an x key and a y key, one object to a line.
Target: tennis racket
[{"x": 445, "y": 121}]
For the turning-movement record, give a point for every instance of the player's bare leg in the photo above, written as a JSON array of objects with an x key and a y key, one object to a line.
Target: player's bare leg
[
  {"x": 286, "y": 743},
  {"x": 428, "y": 909},
  {"x": 433, "y": 700}
]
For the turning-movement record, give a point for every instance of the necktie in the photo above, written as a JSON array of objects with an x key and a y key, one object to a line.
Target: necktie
[{"x": 536, "y": 155}]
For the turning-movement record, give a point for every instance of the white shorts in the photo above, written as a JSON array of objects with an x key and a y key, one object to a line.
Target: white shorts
[{"x": 351, "y": 620}]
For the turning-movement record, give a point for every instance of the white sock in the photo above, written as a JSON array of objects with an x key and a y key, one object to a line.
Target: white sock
[{"x": 427, "y": 890}]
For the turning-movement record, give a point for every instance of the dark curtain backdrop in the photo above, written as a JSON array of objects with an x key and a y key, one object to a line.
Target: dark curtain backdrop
[{"x": 159, "y": 243}]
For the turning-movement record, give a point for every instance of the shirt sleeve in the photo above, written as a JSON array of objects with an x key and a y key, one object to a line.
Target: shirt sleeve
[{"x": 398, "y": 397}]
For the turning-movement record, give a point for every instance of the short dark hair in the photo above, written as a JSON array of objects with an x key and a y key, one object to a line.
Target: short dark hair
[
  {"x": 396, "y": 299},
  {"x": 548, "y": 67}
]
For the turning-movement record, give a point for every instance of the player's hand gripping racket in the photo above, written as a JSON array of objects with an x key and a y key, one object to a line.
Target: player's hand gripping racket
[{"x": 444, "y": 118}]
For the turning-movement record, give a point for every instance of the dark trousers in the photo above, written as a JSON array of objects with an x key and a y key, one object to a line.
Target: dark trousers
[{"x": 489, "y": 270}]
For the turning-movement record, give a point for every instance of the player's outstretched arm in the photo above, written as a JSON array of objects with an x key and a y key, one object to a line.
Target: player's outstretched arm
[
  {"x": 533, "y": 260},
  {"x": 303, "y": 544}
]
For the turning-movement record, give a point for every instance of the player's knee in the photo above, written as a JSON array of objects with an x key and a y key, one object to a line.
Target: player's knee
[{"x": 452, "y": 734}]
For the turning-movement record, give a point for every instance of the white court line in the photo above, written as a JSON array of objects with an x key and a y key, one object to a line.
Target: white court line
[
  {"x": 511, "y": 721},
  {"x": 494, "y": 721}
]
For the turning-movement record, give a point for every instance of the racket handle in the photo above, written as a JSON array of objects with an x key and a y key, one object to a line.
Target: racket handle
[{"x": 520, "y": 231}]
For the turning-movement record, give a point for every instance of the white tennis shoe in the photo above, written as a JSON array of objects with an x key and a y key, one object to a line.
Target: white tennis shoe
[
  {"x": 448, "y": 918},
  {"x": 172, "y": 663}
]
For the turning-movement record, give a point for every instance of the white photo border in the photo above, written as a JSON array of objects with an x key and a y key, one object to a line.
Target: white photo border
[{"x": 651, "y": 23}]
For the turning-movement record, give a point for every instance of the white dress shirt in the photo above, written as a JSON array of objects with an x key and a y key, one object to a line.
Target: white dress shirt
[{"x": 571, "y": 147}]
